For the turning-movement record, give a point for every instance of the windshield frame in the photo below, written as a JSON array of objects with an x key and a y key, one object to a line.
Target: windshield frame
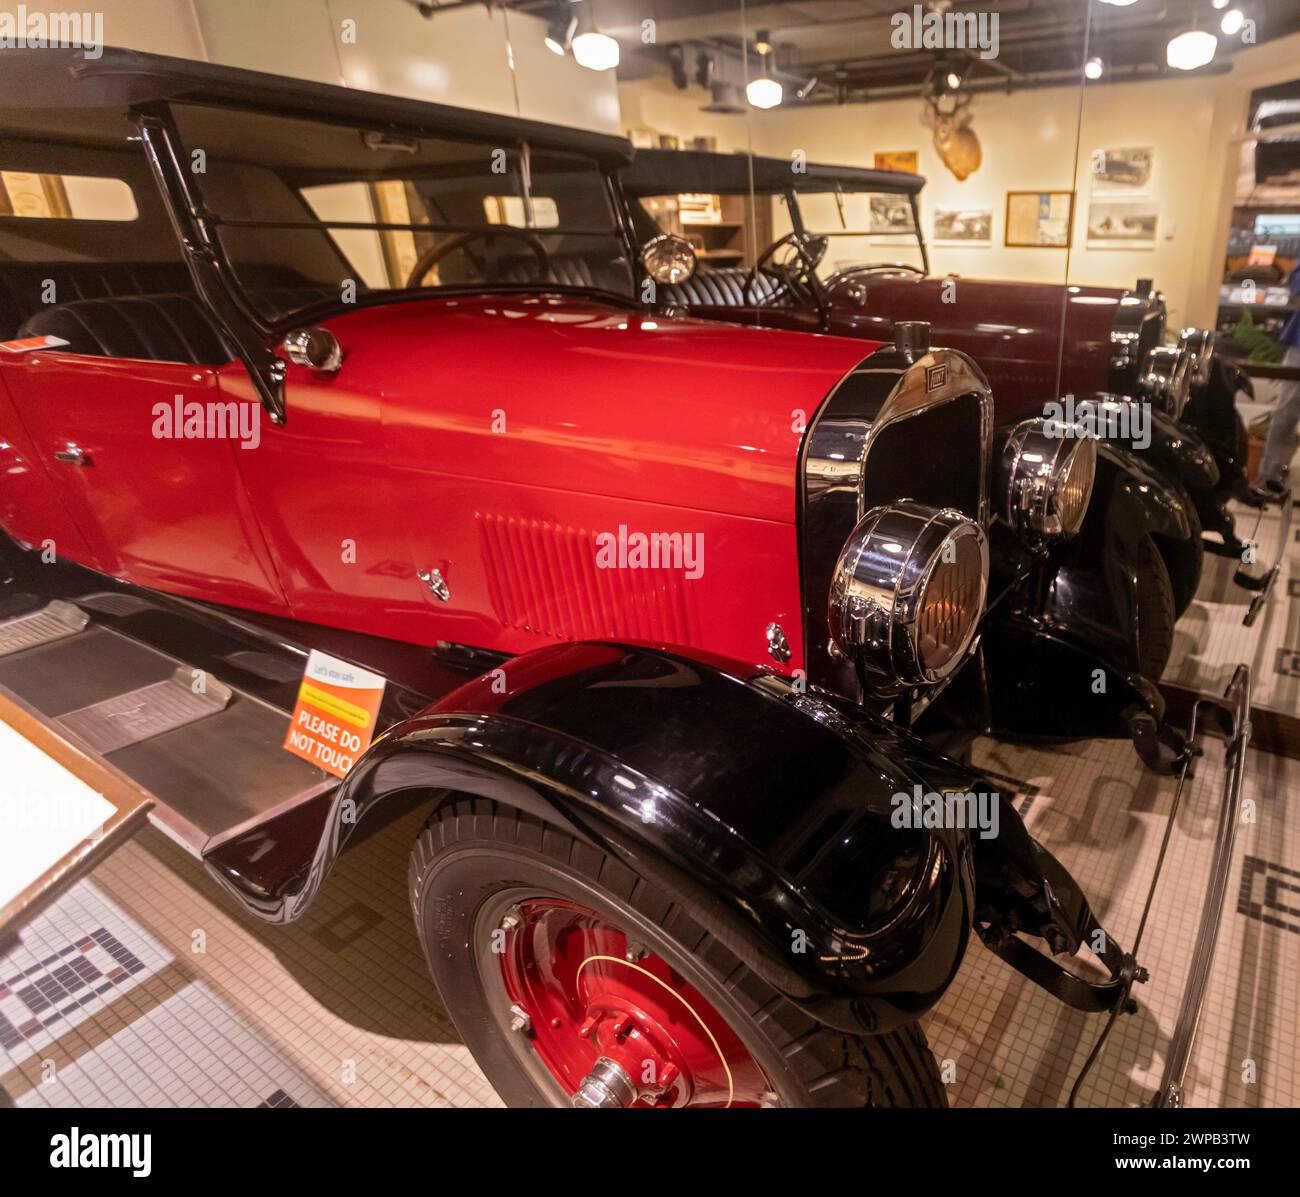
[
  {"x": 228, "y": 301},
  {"x": 800, "y": 226}
]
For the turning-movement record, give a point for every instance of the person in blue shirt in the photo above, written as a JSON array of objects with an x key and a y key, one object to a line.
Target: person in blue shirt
[{"x": 1282, "y": 439}]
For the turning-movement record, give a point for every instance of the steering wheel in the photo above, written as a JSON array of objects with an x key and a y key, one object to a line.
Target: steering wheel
[
  {"x": 435, "y": 253},
  {"x": 791, "y": 263}
]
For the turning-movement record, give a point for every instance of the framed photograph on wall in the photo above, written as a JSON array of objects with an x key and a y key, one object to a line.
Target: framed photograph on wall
[
  {"x": 1039, "y": 219},
  {"x": 897, "y": 160},
  {"x": 1123, "y": 171},
  {"x": 963, "y": 226},
  {"x": 890, "y": 213},
  {"x": 1122, "y": 224}
]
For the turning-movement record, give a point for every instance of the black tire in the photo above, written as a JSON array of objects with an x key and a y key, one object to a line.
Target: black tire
[
  {"x": 474, "y": 853},
  {"x": 1184, "y": 559},
  {"x": 1153, "y": 622}
]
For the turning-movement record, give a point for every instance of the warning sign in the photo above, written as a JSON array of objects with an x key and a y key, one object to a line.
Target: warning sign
[
  {"x": 28, "y": 344},
  {"x": 334, "y": 720}
]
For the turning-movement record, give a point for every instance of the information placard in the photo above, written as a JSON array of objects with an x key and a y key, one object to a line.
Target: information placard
[{"x": 334, "y": 719}]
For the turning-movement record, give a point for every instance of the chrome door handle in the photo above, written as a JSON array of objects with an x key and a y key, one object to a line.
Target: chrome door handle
[
  {"x": 433, "y": 579},
  {"x": 73, "y": 455}
]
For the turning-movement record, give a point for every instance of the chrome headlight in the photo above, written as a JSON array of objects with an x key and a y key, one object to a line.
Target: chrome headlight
[
  {"x": 1046, "y": 476},
  {"x": 1166, "y": 378},
  {"x": 668, "y": 258},
  {"x": 1199, "y": 342},
  {"x": 907, "y": 593}
]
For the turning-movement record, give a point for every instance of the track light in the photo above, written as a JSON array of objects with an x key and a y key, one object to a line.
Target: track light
[
  {"x": 949, "y": 76},
  {"x": 1191, "y": 50},
  {"x": 1094, "y": 68},
  {"x": 559, "y": 31},
  {"x": 807, "y": 89},
  {"x": 592, "y": 49},
  {"x": 677, "y": 66},
  {"x": 1232, "y": 22},
  {"x": 764, "y": 92},
  {"x": 705, "y": 68},
  {"x": 726, "y": 99}
]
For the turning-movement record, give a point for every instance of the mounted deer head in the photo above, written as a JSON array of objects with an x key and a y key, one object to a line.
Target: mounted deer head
[{"x": 949, "y": 116}]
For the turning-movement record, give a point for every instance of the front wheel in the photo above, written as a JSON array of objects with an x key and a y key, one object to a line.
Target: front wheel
[
  {"x": 575, "y": 981},
  {"x": 1154, "y": 609},
  {"x": 1184, "y": 560}
]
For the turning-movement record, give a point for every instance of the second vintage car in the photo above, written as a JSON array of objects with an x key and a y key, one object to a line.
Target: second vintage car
[
  {"x": 840, "y": 250},
  {"x": 664, "y": 606}
]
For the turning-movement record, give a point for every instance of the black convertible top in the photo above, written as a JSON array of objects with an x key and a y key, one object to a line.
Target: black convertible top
[
  {"x": 674, "y": 172},
  {"x": 60, "y": 95}
]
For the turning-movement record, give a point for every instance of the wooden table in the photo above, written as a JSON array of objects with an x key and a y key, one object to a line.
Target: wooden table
[{"x": 62, "y": 811}]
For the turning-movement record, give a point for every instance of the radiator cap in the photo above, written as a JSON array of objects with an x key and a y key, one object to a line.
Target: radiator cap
[{"x": 912, "y": 338}]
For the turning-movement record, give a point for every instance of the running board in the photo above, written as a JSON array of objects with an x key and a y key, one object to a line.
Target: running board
[
  {"x": 148, "y": 711},
  {"x": 1231, "y": 716},
  {"x": 1262, "y": 585},
  {"x": 54, "y": 621},
  {"x": 198, "y": 736}
]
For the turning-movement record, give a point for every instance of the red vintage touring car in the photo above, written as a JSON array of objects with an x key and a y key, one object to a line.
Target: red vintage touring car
[{"x": 675, "y": 617}]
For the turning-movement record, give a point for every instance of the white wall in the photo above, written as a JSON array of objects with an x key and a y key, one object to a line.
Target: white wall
[
  {"x": 158, "y": 26},
  {"x": 1029, "y": 141}
]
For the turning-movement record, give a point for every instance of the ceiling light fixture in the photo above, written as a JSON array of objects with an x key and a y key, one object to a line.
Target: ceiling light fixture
[
  {"x": 1232, "y": 21},
  {"x": 1191, "y": 50},
  {"x": 1094, "y": 68},
  {"x": 706, "y": 67},
  {"x": 677, "y": 66},
  {"x": 592, "y": 49},
  {"x": 764, "y": 92},
  {"x": 1119, "y": 3},
  {"x": 1219, "y": 3},
  {"x": 726, "y": 99},
  {"x": 559, "y": 31}
]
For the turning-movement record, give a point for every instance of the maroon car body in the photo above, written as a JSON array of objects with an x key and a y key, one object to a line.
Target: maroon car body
[{"x": 1036, "y": 342}]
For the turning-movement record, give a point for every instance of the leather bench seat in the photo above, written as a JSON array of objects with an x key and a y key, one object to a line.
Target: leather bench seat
[
  {"x": 166, "y": 328},
  {"x": 27, "y": 287},
  {"x": 570, "y": 270},
  {"x": 727, "y": 287}
]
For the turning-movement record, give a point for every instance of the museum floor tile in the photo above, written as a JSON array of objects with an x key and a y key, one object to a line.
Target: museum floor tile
[{"x": 143, "y": 986}]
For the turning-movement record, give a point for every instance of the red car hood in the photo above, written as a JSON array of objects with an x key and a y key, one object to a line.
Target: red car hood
[{"x": 567, "y": 392}]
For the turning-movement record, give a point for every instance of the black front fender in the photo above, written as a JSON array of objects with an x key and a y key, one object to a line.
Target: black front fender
[
  {"x": 769, "y": 811},
  {"x": 1149, "y": 437},
  {"x": 1047, "y": 682},
  {"x": 1131, "y": 498},
  {"x": 1180, "y": 453},
  {"x": 1093, "y": 591},
  {"x": 1212, "y": 413}
]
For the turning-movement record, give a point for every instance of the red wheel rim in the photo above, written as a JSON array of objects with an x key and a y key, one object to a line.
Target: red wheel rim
[{"x": 582, "y": 991}]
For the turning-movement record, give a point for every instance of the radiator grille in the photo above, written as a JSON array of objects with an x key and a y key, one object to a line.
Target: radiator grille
[
  {"x": 543, "y": 578},
  {"x": 935, "y": 457}
]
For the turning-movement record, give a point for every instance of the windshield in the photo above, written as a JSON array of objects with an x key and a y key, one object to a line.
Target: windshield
[
  {"x": 308, "y": 211},
  {"x": 866, "y": 228}
]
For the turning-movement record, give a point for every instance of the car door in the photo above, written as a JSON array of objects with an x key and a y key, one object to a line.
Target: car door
[
  {"x": 320, "y": 489},
  {"x": 32, "y": 506},
  {"x": 144, "y": 455}
]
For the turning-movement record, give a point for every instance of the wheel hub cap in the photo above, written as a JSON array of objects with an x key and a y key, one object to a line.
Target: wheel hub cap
[{"x": 614, "y": 1024}]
